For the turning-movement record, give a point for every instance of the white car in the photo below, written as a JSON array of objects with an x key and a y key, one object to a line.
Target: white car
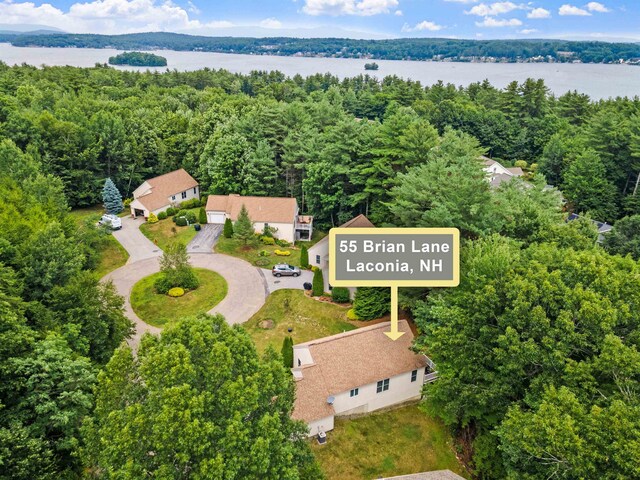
[{"x": 110, "y": 220}]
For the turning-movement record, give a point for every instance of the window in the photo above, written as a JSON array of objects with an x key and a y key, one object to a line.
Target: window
[
  {"x": 173, "y": 197},
  {"x": 414, "y": 375},
  {"x": 354, "y": 392},
  {"x": 184, "y": 195},
  {"x": 299, "y": 363},
  {"x": 318, "y": 259},
  {"x": 195, "y": 190},
  {"x": 383, "y": 386}
]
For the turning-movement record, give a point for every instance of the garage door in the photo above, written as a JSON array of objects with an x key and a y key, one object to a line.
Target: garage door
[{"x": 215, "y": 217}]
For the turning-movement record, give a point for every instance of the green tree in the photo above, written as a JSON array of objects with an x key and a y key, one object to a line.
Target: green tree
[
  {"x": 228, "y": 228},
  {"x": 243, "y": 226},
  {"x": 259, "y": 172},
  {"x": 202, "y": 216},
  {"x": 111, "y": 197},
  {"x": 624, "y": 238},
  {"x": 176, "y": 269},
  {"x": 371, "y": 302},
  {"x": 317, "y": 288},
  {"x": 287, "y": 352},
  {"x": 304, "y": 257},
  {"x": 202, "y": 401}
]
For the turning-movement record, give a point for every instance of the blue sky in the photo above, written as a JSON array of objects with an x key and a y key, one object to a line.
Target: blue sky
[{"x": 607, "y": 19}]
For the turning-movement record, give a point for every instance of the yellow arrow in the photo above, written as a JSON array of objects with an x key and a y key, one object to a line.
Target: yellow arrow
[{"x": 394, "y": 334}]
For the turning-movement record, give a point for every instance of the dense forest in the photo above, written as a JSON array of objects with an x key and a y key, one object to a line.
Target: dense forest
[
  {"x": 395, "y": 49},
  {"x": 537, "y": 350},
  {"x": 138, "y": 59}
]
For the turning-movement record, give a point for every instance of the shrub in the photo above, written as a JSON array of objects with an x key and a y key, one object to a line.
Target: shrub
[
  {"x": 268, "y": 240},
  {"x": 180, "y": 221},
  {"x": 127, "y": 202},
  {"x": 314, "y": 268},
  {"x": 521, "y": 163},
  {"x": 192, "y": 203},
  {"x": 282, "y": 253},
  {"x": 268, "y": 231},
  {"x": 340, "y": 294},
  {"x": 162, "y": 285},
  {"x": 162, "y": 216},
  {"x": 152, "y": 218},
  {"x": 351, "y": 314},
  {"x": 170, "y": 211},
  {"x": 176, "y": 292},
  {"x": 191, "y": 217},
  {"x": 264, "y": 253},
  {"x": 262, "y": 262},
  {"x": 304, "y": 257},
  {"x": 287, "y": 352},
  {"x": 202, "y": 216},
  {"x": 227, "y": 231},
  {"x": 282, "y": 243},
  {"x": 318, "y": 283},
  {"x": 372, "y": 302}
]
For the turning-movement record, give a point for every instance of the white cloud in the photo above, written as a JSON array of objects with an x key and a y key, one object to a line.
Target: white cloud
[
  {"x": 462, "y": 1},
  {"x": 566, "y": 10},
  {"x": 193, "y": 9},
  {"x": 491, "y": 22},
  {"x": 538, "y": 13},
  {"x": 497, "y": 8},
  {"x": 271, "y": 23},
  {"x": 597, "y": 7},
  {"x": 528, "y": 31},
  {"x": 363, "y": 8},
  {"x": 398, "y": 13},
  {"x": 422, "y": 26}
]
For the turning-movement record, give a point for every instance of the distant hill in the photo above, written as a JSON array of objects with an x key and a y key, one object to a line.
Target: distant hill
[
  {"x": 33, "y": 29},
  {"x": 442, "y": 49}
]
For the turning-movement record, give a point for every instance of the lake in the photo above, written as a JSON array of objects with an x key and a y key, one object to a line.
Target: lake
[{"x": 596, "y": 80}]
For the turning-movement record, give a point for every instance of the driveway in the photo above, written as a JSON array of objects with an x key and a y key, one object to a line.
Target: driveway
[
  {"x": 205, "y": 239},
  {"x": 274, "y": 283},
  {"x": 134, "y": 242}
]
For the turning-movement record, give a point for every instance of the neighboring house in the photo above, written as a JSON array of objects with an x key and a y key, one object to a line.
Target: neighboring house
[
  {"x": 319, "y": 253},
  {"x": 169, "y": 190},
  {"x": 280, "y": 213},
  {"x": 497, "y": 173},
  {"x": 434, "y": 475},
  {"x": 603, "y": 227},
  {"x": 356, "y": 372}
]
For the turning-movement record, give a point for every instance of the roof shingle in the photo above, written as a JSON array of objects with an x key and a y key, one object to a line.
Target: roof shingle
[{"x": 260, "y": 209}]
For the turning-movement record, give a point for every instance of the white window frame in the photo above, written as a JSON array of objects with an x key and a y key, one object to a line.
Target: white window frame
[
  {"x": 414, "y": 376},
  {"x": 382, "y": 385},
  {"x": 354, "y": 392}
]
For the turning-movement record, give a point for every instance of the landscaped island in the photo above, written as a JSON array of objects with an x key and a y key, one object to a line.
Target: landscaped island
[{"x": 138, "y": 59}]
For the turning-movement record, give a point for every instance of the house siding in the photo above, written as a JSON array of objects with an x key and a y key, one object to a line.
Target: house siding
[{"x": 324, "y": 424}]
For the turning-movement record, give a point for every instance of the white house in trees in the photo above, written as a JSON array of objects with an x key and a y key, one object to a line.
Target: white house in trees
[
  {"x": 497, "y": 173},
  {"x": 281, "y": 213},
  {"x": 157, "y": 194},
  {"x": 356, "y": 372}
]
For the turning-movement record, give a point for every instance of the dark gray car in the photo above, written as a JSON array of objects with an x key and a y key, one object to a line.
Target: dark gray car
[{"x": 284, "y": 269}]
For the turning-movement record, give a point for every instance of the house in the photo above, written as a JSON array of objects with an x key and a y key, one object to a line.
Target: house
[
  {"x": 433, "y": 475},
  {"x": 319, "y": 253},
  {"x": 497, "y": 173},
  {"x": 603, "y": 227},
  {"x": 169, "y": 190},
  {"x": 281, "y": 213},
  {"x": 356, "y": 372}
]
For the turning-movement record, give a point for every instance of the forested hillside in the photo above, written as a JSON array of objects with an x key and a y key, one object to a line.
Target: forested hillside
[
  {"x": 393, "y": 49},
  {"x": 537, "y": 350}
]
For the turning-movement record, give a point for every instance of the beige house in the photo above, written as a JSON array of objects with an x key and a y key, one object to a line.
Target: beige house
[
  {"x": 319, "y": 253},
  {"x": 497, "y": 173},
  {"x": 280, "y": 213},
  {"x": 169, "y": 190},
  {"x": 356, "y": 372}
]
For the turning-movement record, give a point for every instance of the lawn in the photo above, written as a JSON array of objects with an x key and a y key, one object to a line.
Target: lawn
[
  {"x": 396, "y": 442},
  {"x": 235, "y": 248},
  {"x": 308, "y": 318},
  {"x": 163, "y": 232},
  {"x": 159, "y": 310}
]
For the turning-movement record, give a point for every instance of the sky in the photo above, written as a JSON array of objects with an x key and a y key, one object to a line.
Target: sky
[{"x": 607, "y": 20}]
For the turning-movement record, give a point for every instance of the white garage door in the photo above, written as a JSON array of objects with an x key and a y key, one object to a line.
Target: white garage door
[{"x": 215, "y": 217}]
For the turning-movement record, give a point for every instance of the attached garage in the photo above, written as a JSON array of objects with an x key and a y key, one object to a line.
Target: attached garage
[{"x": 215, "y": 217}]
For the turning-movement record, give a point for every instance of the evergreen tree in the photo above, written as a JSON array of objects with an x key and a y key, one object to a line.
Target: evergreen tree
[
  {"x": 304, "y": 257},
  {"x": 228, "y": 228},
  {"x": 287, "y": 352},
  {"x": 111, "y": 197},
  {"x": 318, "y": 283},
  {"x": 243, "y": 228},
  {"x": 202, "y": 216},
  {"x": 371, "y": 302}
]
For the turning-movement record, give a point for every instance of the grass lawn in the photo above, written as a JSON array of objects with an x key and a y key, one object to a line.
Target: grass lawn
[
  {"x": 159, "y": 310},
  {"x": 309, "y": 319},
  {"x": 163, "y": 233},
  {"x": 235, "y": 248},
  {"x": 396, "y": 442}
]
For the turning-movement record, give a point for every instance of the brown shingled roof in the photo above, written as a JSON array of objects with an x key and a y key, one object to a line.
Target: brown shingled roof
[
  {"x": 356, "y": 222},
  {"x": 165, "y": 186},
  {"x": 261, "y": 209},
  {"x": 352, "y": 359}
]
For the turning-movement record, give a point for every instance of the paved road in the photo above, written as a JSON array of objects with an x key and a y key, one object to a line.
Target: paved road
[
  {"x": 205, "y": 239},
  {"x": 275, "y": 283},
  {"x": 134, "y": 242}
]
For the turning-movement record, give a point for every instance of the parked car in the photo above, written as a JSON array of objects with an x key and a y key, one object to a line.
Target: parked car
[
  {"x": 112, "y": 221},
  {"x": 284, "y": 269}
]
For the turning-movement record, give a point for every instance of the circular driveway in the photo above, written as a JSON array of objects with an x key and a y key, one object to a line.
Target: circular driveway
[{"x": 246, "y": 292}]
